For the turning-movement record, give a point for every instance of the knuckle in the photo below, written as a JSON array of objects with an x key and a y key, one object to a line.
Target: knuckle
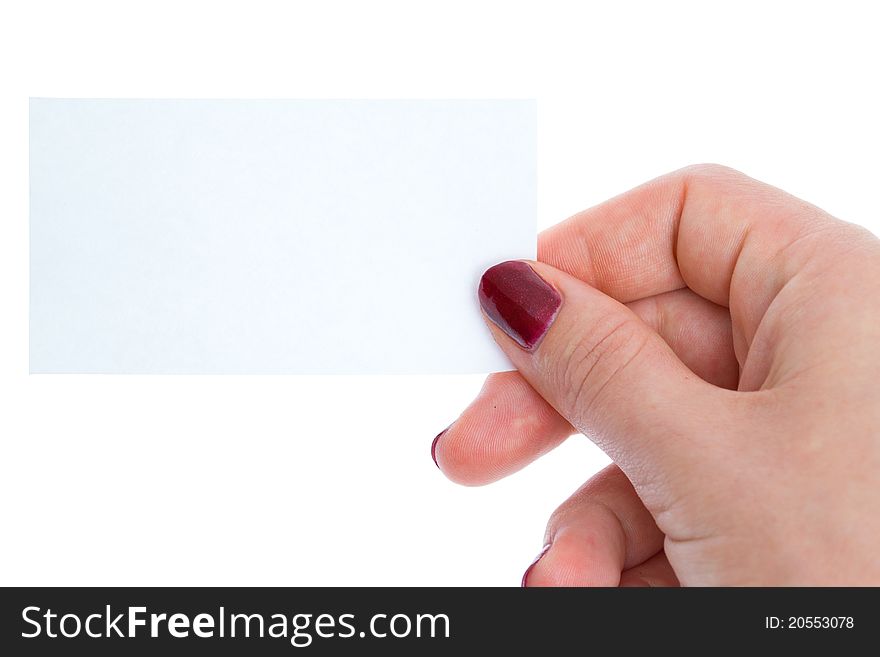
[
  {"x": 562, "y": 514},
  {"x": 709, "y": 171},
  {"x": 597, "y": 359},
  {"x": 588, "y": 496}
]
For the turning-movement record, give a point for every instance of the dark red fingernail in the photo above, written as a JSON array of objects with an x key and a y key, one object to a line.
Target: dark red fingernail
[
  {"x": 520, "y": 302},
  {"x": 434, "y": 445},
  {"x": 525, "y": 577}
]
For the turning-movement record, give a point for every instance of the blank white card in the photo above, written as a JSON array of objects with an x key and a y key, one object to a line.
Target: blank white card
[{"x": 273, "y": 236}]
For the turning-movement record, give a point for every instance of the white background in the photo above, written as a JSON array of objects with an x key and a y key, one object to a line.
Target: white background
[
  {"x": 325, "y": 481},
  {"x": 233, "y": 236}
]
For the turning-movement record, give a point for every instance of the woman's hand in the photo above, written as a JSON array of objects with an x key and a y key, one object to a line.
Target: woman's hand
[{"x": 720, "y": 341}]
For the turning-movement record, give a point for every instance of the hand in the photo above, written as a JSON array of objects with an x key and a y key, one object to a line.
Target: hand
[{"x": 720, "y": 341}]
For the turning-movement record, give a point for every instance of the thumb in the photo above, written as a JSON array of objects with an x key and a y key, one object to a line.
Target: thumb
[{"x": 603, "y": 369}]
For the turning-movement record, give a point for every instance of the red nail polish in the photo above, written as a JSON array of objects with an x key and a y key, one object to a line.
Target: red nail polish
[
  {"x": 434, "y": 445},
  {"x": 520, "y": 302},
  {"x": 525, "y": 577}
]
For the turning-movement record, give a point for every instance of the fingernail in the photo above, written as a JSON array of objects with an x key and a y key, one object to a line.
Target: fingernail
[
  {"x": 525, "y": 577},
  {"x": 434, "y": 446},
  {"x": 520, "y": 302}
]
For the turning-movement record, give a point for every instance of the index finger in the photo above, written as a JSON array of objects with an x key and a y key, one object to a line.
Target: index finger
[{"x": 706, "y": 227}]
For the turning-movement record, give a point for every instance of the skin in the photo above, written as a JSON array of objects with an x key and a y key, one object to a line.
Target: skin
[{"x": 719, "y": 339}]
